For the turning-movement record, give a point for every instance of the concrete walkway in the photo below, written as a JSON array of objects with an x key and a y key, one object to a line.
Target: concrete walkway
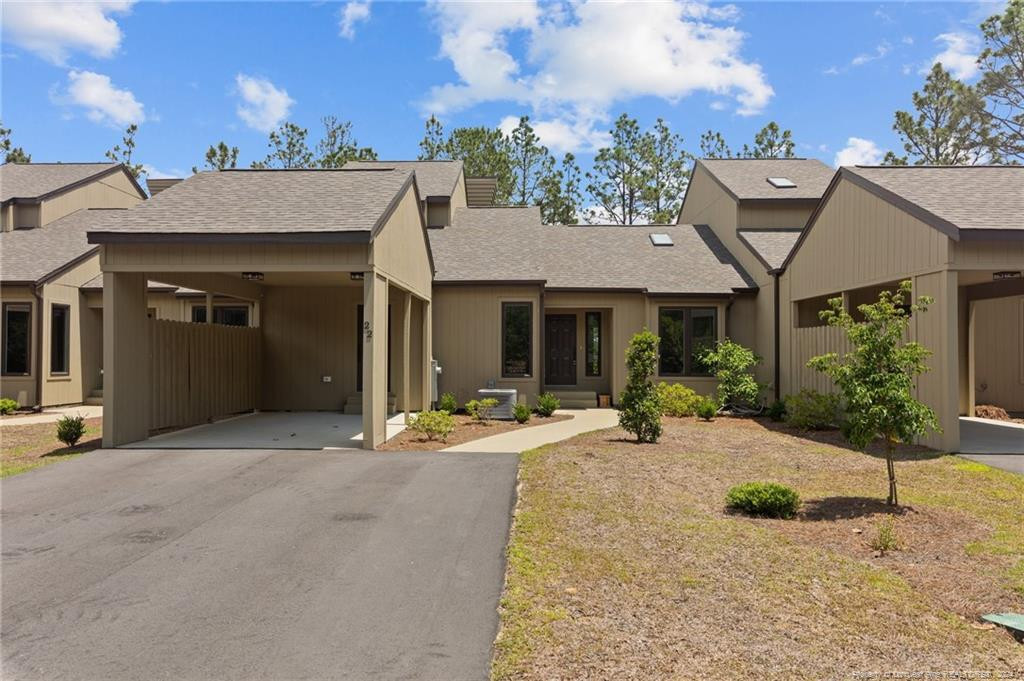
[
  {"x": 52, "y": 415},
  {"x": 996, "y": 443},
  {"x": 583, "y": 421}
]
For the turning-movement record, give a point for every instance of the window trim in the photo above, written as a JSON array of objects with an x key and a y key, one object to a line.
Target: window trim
[
  {"x": 600, "y": 343},
  {"x": 687, "y": 311},
  {"x": 67, "y": 339},
  {"x": 505, "y": 304},
  {"x": 28, "y": 307}
]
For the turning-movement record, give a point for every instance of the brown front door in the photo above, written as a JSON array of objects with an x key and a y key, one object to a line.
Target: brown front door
[{"x": 560, "y": 349}]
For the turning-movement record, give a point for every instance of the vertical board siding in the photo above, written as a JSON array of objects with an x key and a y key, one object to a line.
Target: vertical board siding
[
  {"x": 201, "y": 372},
  {"x": 810, "y": 342},
  {"x": 999, "y": 352}
]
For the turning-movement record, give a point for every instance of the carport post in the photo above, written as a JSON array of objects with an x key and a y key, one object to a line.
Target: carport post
[
  {"x": 126, "y": 362},
  {"x": 209, "y": 308},
  {"x": 375, "y": 359},
  {"x": 406, "y": 351},
  {"x": 428, "y": 352}
]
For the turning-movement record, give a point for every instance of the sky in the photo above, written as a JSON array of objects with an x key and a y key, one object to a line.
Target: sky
[{"x": 191, "y": 74}]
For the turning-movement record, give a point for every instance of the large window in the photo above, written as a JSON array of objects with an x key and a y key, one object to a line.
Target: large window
[
  {"x": 516, "y": 340},
  {"x": 593, "y": 334},
  {"x": 60, "y": 339},
  {"x": 229, "y": 315},
  {"x": 686, "y": 332},
  {"x": 17, "y": 335}
]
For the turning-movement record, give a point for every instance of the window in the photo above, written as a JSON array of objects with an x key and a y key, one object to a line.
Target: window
[
  {"x": 229, "y": 315},
  {"x": 685, "y": 333},
  {"x": 198, "y": 314},
  {"x": 150, "y": 313},
  {"x": 516, "y": 340},
  {"x": 593, "y": 335},
  {"x": 60, "y": 339},
  {"x": 16, "y": 337}
]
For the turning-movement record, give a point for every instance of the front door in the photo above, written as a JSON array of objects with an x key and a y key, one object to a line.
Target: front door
[{"x": 560, "y": 345}]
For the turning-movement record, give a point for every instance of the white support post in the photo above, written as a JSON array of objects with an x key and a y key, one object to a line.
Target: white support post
[
  {"x": 427, "y": 355},
  {"x": 126, "y": 361},
  {"x": 209, "y": 308},
  {"x": 406, "y": 352}
]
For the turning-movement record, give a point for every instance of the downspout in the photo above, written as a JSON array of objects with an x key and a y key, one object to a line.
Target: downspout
[
  {"x": 37, "y": 292},
  {"x": 728, "y": 319},
  {"x": 777, "y": 274},
  {"x": 542, "y": 356}
]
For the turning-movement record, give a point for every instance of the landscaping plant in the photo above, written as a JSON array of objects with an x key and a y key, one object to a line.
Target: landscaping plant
[
  {"x": 70, "y": 429},
  {"x": 765, "y": 499},
  {"x": 811, "y": 410},
  {"x": 876, "y": 380},
  {"x": 677, "y": 400},
  {"x": 521, "y": 412},
  {"x": 8, "y": 406},
  {"x": 885, "y": 538},
  {"x": 732, "y": 365},
  {"x": 639, "y": 404},
  {"x": 707, "y": 408},
  {"x": 481, "y": 409},
  {"x": 434, "y": 425},
  {"x": 447, "y": 403},
  {"x": 776, "y": 411},
  {"x": 547, "y": 404}
]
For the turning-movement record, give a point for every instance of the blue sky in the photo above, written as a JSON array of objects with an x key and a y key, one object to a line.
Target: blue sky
[{"x": 192, "y": 74}]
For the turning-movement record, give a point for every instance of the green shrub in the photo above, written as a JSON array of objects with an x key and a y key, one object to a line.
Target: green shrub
[
  {"x": 639, "y": 404},
  {"x": 766, "y": 499},
  {"x": 434, "y": 425},
  {"x": 521, "y": 412},
  {"x": 447, "y": 403},
  {"x": 8, "y": 406},
  {"x": 481, "y": 409},
  {"x": 731, "y": 364},
  {"x": 547, "y": 404},
  {"x": 707, "y": 408},
  {"x": 776, "y": 411},
  {"x": 70, "y": 429},
  {"x": 677, "y": 399},
  {"x": 811, "y": 410},
  {"x": 885, "y": 538}
]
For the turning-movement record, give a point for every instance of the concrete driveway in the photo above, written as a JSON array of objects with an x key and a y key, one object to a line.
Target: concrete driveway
[{"x": 230, "y": 564}]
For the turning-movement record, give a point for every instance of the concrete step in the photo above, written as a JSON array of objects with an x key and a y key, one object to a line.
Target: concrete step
[
  {"x": 576, "y": 399},
  {"x": 93, "y": 400},
  {"x": 354, "y": 404}
]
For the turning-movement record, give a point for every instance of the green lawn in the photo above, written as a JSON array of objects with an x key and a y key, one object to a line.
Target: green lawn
[{"x": 24, "y": 448}]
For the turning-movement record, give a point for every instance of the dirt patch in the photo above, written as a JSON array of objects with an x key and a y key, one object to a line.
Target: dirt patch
[
  {"x": 23, "y": 448},
  {"x": 467, "y": 429},
  {"x": 988, "y": 411}
]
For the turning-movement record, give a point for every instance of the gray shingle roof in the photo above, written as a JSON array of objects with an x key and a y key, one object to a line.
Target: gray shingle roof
[
  {"x": 434, "y": 178},
  {"x": 32, "y": 254},
  {"x": 770, "y": 246},
  {"x": 968, "y": 197},
  {"x": 747, "y": 178},
  {"x": 243, "y": 202},
  {"x": 511, "y": 244},
  {"x": 32, "y": 180}
]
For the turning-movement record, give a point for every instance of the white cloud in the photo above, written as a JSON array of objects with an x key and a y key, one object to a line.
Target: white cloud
[
  {"x": 881, "y": 50},
  {"x": 102, "y": 101},
  {"x": 263, "y": 105},
  {"x": 960, "y": 56},
  {"x": 582, "y": 59},
  {"x": 560, "y": 135},
  {"x": 55, "y": 29},
  {"x": 353, "y": 13},
  {"x": 859, "y": 151},
  {"x": 831, "y": 71}
]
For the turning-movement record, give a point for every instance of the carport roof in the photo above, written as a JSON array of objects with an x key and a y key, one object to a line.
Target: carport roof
[
  {"x": 513, "y": 245},
  {"x": 259, "y": 203}
]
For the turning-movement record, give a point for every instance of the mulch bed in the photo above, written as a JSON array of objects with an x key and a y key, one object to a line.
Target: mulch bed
[
  {"x": 987, "y": 411},
  {"x": 467, "y": 429},
  {"x": 26, "y": 447}
]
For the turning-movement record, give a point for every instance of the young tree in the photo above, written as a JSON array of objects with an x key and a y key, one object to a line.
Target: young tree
[
  {"x": 338, "y": 146},
  {"x": 1002, "y": 80},
  {"x": 732, "y": 364},
  {"x": 639, "y": 403},
  {"x": 712, "y": 145},
  {"x": 433, "y": 146},
  {"x": 483, "y": 152},
  {"x": 119, "y": 154},
  {"x": 529, "y": 163},
  {"x": 11, "y": 153},
  {"x": 949, "y": 127},
  {"x": 560, "y": 194},
  {"x": 668, "y": 173},
  {"x": 288, "y": 149},
  {"x": 771, "y": 142},
  {"x": 219, "y": 157},
  {"x": 876, "y": 380},
  {"x": 620, "y": 175}
]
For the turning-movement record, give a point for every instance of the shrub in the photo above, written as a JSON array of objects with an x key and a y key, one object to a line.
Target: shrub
[
  {"x": 677, "y": 399},
  {"x": 8, "y": 406},
  {"x": 765, "y": 499},
  {"x": 521, "y": 412},
  {"x": 885, "y": 538},
  {"x": 434, "y": 425},
  {"x": 547, "y": 404},
  {"x": 731, "y": 364},
  {"x": 811, "y": 410},
  {"x": 447, "y": 403},
  {"x": 70, "y": 429},
  {"x": 707, "y": 408},
  {"x": 639, "y": 404},
  {"x": 481, "y": 409},
  {"x": 776, "y": 411}
]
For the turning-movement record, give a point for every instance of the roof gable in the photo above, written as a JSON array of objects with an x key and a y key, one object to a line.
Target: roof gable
[
  {"x": 37, "y": 181},
  {"x": 434, "y": 178},
  {"x": 747, "y": 179}
]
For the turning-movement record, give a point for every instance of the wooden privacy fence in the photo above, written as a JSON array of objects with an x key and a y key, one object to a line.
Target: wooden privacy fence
[{"x": 202, "y": 371}]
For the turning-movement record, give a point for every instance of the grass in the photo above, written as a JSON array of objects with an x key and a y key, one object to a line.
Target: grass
[
  {"x": 623, "y": 561},
  {"x": 25, "y": 448}
]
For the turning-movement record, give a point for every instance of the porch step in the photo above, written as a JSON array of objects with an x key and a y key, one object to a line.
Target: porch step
[
  {"x": 95, "y": 398},
  {"x": 576, "y": 399},
  {"x": 354, "y": 404}
]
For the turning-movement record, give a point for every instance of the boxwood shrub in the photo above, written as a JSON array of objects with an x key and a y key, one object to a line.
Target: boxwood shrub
[{"x": 765, "y": 499}]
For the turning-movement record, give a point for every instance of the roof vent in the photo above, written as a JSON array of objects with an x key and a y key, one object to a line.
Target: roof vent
[
  {"x": 781, "y": 182},
  {"x": 661, "y": 239}
]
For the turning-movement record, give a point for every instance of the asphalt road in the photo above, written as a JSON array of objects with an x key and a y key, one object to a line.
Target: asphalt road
[{"x": 142, "y": 564}]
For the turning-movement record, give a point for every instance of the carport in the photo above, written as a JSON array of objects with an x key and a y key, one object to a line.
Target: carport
[{"x": 338, "y": 268}]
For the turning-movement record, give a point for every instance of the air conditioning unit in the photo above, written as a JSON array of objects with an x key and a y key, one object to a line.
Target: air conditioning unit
[
  {"x": 506, "y": 401},
  {"x": 435, "y": 371}
]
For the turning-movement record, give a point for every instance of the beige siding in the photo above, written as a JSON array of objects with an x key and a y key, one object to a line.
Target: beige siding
[
  {"x": 400, "y": 249},
  {"x": 999, "y": 352},
  {"x": 127, "y": 362},
  {"x": 157, "y": 258},
  {"x": 989, "y": 254},
  {"x": 459, "y": 193},
  {"x": 787, "y": 215},
  {"x": 113, "y": 191},
  {"x": 26, "y": 216},
  {"x": 22, "y": 388}
]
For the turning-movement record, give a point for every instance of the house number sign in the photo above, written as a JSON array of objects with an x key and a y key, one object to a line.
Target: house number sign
[{"x": 367, "y": 332}]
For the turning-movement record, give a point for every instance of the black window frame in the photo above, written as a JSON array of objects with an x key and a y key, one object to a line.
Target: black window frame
[
  {"x": 65, "y": 348},
  {"x": 506, "y": 305},
  {"x": 200, "y": 310},
  {"x": 688, "y": 369},
  {"x": 20, "y": 307},
  {"x": 587, "y": 338}
]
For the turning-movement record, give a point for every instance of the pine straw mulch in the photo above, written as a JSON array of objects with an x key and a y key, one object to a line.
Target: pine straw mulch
[
  {"x": 23, "y": 448},
  {"x": 624, "y": 563},
  {"x": 467, "y": 429}
]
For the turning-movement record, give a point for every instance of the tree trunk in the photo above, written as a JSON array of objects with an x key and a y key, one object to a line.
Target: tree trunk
[{"x": 891, "y": 468}]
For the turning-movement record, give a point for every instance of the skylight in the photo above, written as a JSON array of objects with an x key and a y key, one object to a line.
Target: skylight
[
  {"x": 781, "y": 182},
  {"x": 661, "y": 239}
]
